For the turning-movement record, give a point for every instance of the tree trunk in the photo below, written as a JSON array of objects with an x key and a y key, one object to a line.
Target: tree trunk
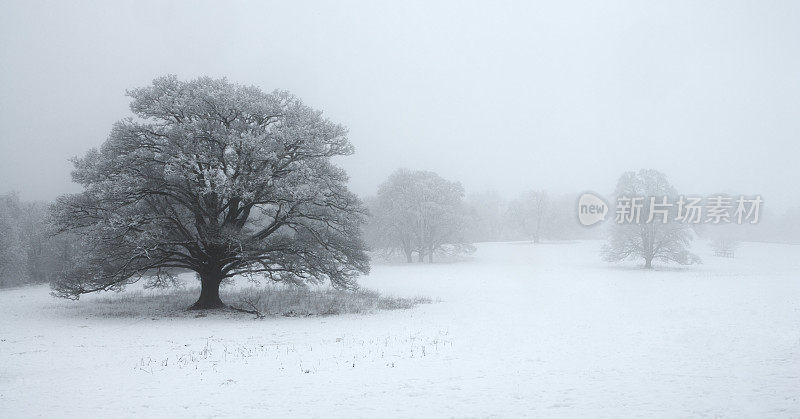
[
  {"x": 209, "y": 292},
  {"x": 648, "y": 263},
  {"x": 421, "y": 255},
  {"x": 408, "y": 252}
]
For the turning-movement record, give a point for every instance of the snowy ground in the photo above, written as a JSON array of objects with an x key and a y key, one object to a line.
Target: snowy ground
[{"x": 541, "y": 330}]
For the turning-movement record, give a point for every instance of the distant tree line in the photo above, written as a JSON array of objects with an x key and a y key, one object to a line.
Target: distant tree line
[
  {"x": 532, "y": 215},
  {"x": 419, "y": 215},
  {"x": 29, "y": 252}
]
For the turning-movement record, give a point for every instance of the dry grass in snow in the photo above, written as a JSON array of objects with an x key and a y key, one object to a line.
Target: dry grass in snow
[{"x": 269, "y": 300}]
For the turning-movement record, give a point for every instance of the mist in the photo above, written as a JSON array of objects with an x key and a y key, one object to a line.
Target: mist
[
  {"x": 507, "y": 97},
  {"x": 399, "y": 209}
]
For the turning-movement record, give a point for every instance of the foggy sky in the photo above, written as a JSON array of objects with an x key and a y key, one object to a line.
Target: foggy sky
[{"x": 509, "y": 96}]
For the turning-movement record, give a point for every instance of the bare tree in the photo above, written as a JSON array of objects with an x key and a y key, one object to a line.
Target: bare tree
[
  {"x": 217, "y": 178},
  {"x": 662, "y": 238},
  {"x": 529, "y": 215}
]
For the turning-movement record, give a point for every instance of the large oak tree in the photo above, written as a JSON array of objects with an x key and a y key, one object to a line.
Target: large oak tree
[{"x": 217, "y": 178}]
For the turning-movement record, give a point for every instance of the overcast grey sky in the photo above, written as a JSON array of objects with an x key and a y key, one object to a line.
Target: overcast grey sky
[{"x": 506, "y": 95}]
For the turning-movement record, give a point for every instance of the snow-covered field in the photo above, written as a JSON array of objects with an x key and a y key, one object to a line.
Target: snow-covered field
[{"x": 540, "y": 330}]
